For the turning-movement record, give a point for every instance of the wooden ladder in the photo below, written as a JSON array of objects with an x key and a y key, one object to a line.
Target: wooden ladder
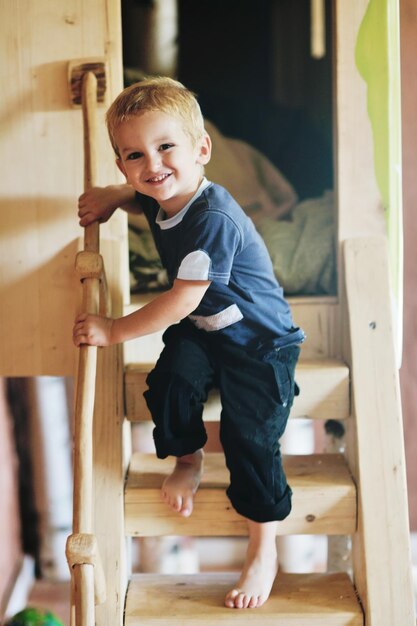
[{"x": 361, "y": 493}]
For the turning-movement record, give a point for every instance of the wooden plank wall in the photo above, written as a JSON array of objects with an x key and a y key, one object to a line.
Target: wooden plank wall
[
  {"x": 42, "y": 173},
  {"x": 358, "y": 199}
]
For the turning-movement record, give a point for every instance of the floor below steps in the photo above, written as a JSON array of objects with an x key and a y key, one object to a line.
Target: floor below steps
[
  {"x": 52, "y": 596},
  {"x": 296, "y": 600}
]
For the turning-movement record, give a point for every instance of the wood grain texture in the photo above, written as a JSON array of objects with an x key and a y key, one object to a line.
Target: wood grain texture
[
  {"x": 42, "y": 175},
  {"x": 324, "y": 499},
  {"x": 382, "y": 559},
  {"x": 111, "y": 450},
  {"x": 296, "y": 600}
]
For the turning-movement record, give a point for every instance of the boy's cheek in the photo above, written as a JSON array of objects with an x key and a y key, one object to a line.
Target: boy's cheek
[{"x": 122, "y": 168}]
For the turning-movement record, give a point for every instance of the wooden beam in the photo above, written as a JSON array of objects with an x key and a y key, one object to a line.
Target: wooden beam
[
  {"x": 382, "y": 559},
  {"x": 324, "y": 499},
  {"x": 111, "y": 448}
]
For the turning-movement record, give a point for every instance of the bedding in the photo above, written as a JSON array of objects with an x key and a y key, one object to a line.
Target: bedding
[
  {"x": 299, "y": 235},
  {"x": 302, "y": 248}
]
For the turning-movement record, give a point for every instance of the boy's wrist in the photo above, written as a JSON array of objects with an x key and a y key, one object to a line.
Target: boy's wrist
[
  {"x": 112, "y": 332},
  {"x": 116, "y": 334}
]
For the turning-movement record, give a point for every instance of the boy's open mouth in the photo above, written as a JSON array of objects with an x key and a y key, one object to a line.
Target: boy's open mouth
[{"x": 158, "y": 179}]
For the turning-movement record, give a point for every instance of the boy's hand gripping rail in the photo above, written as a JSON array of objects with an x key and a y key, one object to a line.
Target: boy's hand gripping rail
[{"x": 87, "y": 576}]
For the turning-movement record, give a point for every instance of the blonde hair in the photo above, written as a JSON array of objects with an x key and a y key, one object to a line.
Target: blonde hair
[{"x": 156, "y": 94}]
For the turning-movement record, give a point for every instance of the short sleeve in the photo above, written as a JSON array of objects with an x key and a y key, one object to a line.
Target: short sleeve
[{"x": 209, "y": 244}]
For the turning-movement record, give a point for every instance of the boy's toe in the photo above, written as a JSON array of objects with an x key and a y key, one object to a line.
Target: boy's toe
[
  {"x": 186, "y": 507},
  {"x": 246, "y": 601},
  {"x": 231, "y": 597},
  {"x": 176, "y": 504},
  {"x": 240, "y": 600},
  {"x": 253, "y": 602}
]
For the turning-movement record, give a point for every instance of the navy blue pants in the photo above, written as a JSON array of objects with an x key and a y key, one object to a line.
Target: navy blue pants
[{"x": 256, "y": 391}]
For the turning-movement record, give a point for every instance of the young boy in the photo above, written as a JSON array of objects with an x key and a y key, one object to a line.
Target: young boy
[{"x": 235, "y": 330}]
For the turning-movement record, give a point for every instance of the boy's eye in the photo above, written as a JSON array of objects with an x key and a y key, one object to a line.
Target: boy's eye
[
  {"x": 165, "y": 146},
  {"x": 133, "y": 155}
]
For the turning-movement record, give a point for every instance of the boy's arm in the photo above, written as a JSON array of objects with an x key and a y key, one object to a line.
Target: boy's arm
[
  {"x": 166, "y": 309},
  {"x": 99, "y": 203}
]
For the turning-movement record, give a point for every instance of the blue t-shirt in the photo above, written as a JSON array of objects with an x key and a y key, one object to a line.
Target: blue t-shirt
[{"x": 212, "y": 238}]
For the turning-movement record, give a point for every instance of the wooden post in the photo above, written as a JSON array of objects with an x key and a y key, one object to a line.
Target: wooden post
[
  {"x": 111, "y": 434},
  {"x": 381, "y": 545}
]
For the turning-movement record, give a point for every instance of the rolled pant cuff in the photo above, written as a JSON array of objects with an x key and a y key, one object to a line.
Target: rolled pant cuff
[
  {"x": 263, "y": 513},
  {"x": 178, "y": 447}
]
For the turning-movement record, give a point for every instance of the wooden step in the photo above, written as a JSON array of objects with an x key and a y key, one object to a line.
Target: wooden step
[
  {"x": 197, "y": 600},
  {"x": 318, "y": 316},
  {"x": 324, "y": 385},
  {"x": 324, "y": 499}
]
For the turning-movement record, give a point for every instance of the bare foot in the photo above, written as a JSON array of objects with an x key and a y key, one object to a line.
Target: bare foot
[
  {"x": 259, "y": 570},
  {"x": 179, "y": 488}
]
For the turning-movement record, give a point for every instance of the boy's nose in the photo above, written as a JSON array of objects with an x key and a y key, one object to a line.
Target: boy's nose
[{"x": 153, "y": 162}]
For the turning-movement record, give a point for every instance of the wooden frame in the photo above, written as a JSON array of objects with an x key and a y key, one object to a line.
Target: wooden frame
[{"x": 381, "y": 545}]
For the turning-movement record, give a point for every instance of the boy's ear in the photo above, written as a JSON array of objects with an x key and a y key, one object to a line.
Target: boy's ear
[
  {"x": 120, "y": 165},
  {"x": 204, "y": 150}
]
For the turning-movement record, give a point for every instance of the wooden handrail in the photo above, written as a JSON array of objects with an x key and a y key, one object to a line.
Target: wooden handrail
[
  {"x": 89, "y": 108},
  {"x": 87, "y": 578},
  {"x": 87, "y": 364}
]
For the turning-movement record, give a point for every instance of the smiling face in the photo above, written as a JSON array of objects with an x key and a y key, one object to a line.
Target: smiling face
[{"x": 160, "y": 160}]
